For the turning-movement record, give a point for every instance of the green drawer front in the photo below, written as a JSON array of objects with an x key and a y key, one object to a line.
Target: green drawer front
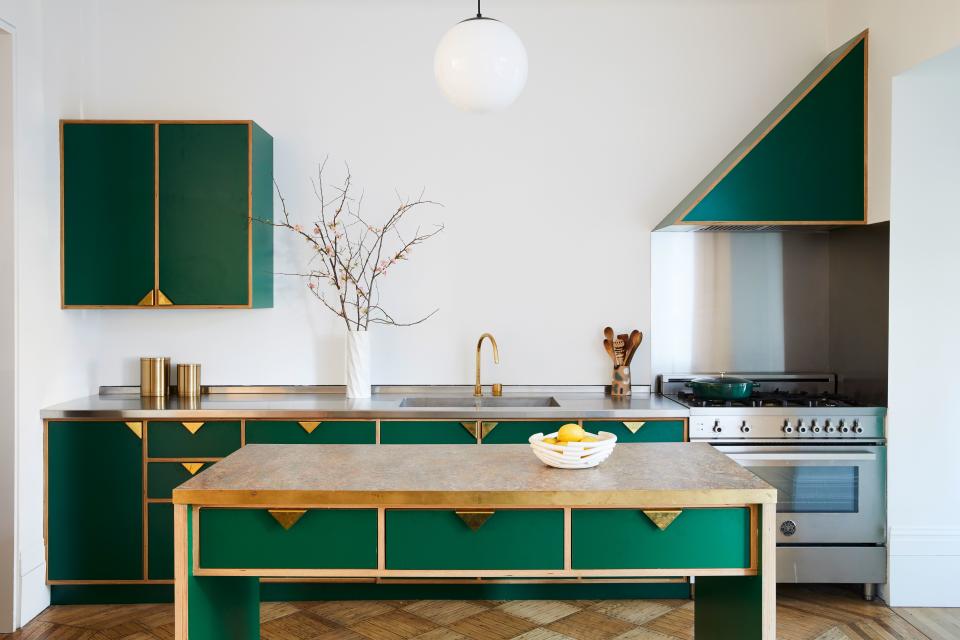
[
  {"x": 520, "y": 432},
  {"x": 160, "y": 541},
  {"x": 714, "y": 538},
  {"x": 651, "y": 431},
  {"x": 164, "y": 477},
  {"x": 173, "y": 440},
  {"x": 320, "y": 539},
  {"x": 439, "y": 539},
  {"x": 412, "y": 432},
  {"x": 281, "y": 432}
]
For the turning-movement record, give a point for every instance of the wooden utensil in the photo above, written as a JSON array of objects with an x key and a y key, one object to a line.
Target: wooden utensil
[
  {"x": 608, "y": 334},
  {"x": 636, "y": 337},
  {"x": 609, "y": 347},
  {"x": 620, "y": 349}
]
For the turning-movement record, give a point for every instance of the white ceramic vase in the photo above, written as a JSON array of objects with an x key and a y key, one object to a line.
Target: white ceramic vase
[{"x": 357, "y": 361}]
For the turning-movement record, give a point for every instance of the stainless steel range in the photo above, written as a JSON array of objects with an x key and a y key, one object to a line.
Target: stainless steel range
[{"x": 826, "y": 456}]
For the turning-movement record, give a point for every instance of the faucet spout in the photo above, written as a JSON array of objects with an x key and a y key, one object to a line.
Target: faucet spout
[{"x": 477, "y": 388}]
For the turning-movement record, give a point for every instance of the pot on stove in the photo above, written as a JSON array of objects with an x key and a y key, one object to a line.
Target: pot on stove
[{"x": 722, "y": 387}]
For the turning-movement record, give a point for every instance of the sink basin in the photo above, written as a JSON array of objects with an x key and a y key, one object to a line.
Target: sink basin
[{"x": 479, "y": 403}]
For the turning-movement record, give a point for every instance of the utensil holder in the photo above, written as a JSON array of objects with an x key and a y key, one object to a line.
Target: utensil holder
[
  {"x": 621, "y": 385},
  {"x": 154, "y": 377},
  {"x": 188, "y": 380}
]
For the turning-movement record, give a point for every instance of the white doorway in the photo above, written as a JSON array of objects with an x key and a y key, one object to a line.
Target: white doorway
[{"x": 8, "y": 428}]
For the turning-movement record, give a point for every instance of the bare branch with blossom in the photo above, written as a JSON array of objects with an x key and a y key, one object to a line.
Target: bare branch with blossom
[{"x": 351, "y": 255}]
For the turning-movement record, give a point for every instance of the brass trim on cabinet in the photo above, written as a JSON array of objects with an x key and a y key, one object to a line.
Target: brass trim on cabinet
[
  {"x": 309, "y": 427},
  {"x": 192, "y": 467},
  {"x": 486, "y": 428},
  {"x": 471, "y": 428},
  {"x": 474, "y": 519},
  {"x": 192, "y": 427},
  {"x": 662, "y": 518},
  {"x": 136, "y": 427},
  {"x": 633, "y": 427},
  {"x": 147, "y": 300},
  {"x": 286, "y": 518},
  {"x": 163, "y": 300}
]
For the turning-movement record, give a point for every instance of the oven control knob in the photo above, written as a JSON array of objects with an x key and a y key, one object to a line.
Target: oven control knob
[
  {"x": 856, "y": 427},
  {"x": 830, "y": 427},
  {"x": 786, "y": 427},
  {"x": 844, "y": 428},
  {"x": 745, "y": 428},
  {"x": 815, "y": 427},
  {"x": 716, "y": 427},
  {"x": 788, "y": 527},
  {"x": 802, "y": 428}
]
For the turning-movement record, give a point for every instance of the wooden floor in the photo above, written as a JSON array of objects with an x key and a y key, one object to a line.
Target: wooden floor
[{"x": 803, "y": 613}]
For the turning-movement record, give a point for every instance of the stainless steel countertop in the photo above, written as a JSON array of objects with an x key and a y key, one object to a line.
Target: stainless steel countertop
[{"x": 325, "y": 405}]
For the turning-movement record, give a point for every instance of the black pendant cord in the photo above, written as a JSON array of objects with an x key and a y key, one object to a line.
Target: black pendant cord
[{"x": 478, "y": 9}]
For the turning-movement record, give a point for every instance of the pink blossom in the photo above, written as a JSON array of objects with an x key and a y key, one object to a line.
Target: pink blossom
[{"x": 297, "y": 228}]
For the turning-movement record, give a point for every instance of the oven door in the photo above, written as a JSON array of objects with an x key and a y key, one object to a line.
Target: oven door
[{"x": 826, "y": 494}]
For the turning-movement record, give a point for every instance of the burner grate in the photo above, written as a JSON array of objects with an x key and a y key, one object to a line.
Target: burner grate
[{"x": 775, "y": 398}]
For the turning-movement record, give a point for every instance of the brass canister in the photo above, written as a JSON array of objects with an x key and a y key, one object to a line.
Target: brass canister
[
  {"x": 188, "y": 380},
  {"x": 154, "y": 377}
]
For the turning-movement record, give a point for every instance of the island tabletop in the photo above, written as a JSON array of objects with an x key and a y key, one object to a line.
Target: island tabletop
[{"x": 467, "y": 513}]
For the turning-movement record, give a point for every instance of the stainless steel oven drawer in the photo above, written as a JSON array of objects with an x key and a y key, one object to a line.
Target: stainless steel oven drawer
[{"x": 832, "y": 564}]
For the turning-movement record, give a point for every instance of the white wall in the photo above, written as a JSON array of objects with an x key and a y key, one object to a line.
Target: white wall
[
  {"x": 924, "y": 442},
  {"x": 902, "y": 34}
]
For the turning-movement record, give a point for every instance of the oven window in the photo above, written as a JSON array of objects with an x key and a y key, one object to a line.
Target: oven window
[{"x": 813, "y": 489}]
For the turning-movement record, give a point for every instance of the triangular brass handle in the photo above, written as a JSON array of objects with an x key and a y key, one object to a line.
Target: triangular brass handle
[
  {"x": 474, "y": 519},
  {"x": 287, "y": 517},
  {"x": 136, "y": 427},
  {"x": 662, "y": 518},
  {"x": 486, "y": 428},
  {"x": 163, "y": 300},
  {"x": 147, "y": 300},
  {"x": 192, "y": 427},
  {"x": 633, "y": 427},
  {"x": 471, "y": 428},
  {"x": 309, "y": 426},
  {"x": 192, "y": 467}
]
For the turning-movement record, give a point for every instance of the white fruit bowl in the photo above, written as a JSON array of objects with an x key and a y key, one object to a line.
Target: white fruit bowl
[{"x": 573, "y": 455}]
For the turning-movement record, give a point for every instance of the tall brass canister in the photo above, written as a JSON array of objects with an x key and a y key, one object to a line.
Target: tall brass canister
[
  {"x": 188, "y": 380},
  {"x": 154, "y": 377}
]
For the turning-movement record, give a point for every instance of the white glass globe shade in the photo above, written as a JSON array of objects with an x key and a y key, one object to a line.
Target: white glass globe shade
[{"x": 481, "y": 65}]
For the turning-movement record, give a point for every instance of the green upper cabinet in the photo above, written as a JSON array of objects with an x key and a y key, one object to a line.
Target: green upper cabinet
[
  {"x": 108, "y": 213},
  {"x": 804, "y": 164},
  {"x": 167, "y": 214}
]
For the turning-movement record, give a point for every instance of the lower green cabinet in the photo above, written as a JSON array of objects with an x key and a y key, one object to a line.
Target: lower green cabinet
[
  {"x": 94, "y": 501},
  {"x": 426, "y": 432},
  {"x": 517, "y": 431},
  {"x": 192, "y": 439},
  {"x": 508, "y": 539},
  {"x": 164, "y": 477},
  {"x": 628, "y": 539},
  {"x": 160, "y": 541},
  {"x": 311, "y": 432},
  {"x": 318, "y": 539},
  {"x": 640, "y": 430}
]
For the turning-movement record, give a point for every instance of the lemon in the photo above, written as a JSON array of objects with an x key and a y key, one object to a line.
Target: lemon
[
  {"x": 589, "y": 439},
  {"x": 550, "y": 440},
  {"x": 570, "y": 433}
]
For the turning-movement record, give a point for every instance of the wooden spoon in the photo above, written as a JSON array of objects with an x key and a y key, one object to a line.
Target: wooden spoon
[
  {"x": 608, "y": 334},
  {"x": 609, "y": 347},
  {"x": 636, "y": 337},
  {"x": 620, "y": 348}
]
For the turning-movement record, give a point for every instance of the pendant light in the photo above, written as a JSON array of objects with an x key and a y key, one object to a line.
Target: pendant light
[{"x": 481, "y": 64}]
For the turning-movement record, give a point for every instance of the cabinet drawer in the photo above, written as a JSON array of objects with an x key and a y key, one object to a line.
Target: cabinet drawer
[
  {"x": 177, "y": 440},
  {"x": 711, "y": 538},
  {"x": 640, "y": 430},
  {"x": 518, "y": 432},
  {"x": 310, "y": 432},
  {"x": 320, "y": 539},
  {"x": 511, "y": 539},
  {"x": 425, "y": 432},
  {"x": 160, "y": 541},
  {"x": 164, "y": 477}
]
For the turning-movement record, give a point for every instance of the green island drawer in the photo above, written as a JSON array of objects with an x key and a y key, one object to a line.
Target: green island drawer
[
  {"x": 311, "y": 432},
  {"x": 703, "y": 538},
  {"x": 510, "y": 539},
  {"x": 425, "y": 432},
  {"x": 176, "y": 440},
  {"x": 164, "y": 477},
  {"x": 160, "y": 541},
  {"x": 650, "y": 431},
  {"x": 519, "y": 431},
  {"x": 320, "y": 539}
]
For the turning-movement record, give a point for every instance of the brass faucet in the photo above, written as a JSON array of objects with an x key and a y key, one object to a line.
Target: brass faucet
[{"x": 497, "y": 388}]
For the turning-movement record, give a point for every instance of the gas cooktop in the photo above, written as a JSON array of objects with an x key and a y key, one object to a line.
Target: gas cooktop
[{"x": 775, "y": 398}]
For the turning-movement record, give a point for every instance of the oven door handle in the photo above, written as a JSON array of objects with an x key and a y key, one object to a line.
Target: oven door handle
[{"x": 823, "y": 457}]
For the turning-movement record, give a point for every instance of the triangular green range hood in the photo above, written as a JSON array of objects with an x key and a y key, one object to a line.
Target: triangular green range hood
[{"x": 803, "y": 166}]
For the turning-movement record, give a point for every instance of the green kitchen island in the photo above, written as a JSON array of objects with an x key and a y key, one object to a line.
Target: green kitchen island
[{"x": 460, "y": 513}]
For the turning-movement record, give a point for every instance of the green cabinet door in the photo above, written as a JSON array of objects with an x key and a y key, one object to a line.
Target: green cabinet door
[
  {"x": 311, "y": 432},
  {"x": 426, "y": 432},
  {"x": 639, "y": 430},
  {"x": 204, "y": 221},
  {"x": 94, "y": 501},
  {"x": 108, "y": 213},
  {"x": 518, "y": 432},
  {"x": 160, "y": 541}
]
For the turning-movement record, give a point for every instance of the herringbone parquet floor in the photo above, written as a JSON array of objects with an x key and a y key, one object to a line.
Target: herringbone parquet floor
[{"x": 822, "y": 613}]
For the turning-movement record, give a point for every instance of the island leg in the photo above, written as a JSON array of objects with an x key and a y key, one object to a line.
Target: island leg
[
  {"x": 210, "y": 607},
  {"x": 742, "y": 607}
]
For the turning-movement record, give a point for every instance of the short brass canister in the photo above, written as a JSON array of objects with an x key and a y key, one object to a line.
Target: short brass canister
[
  {"x": 154, "y": 377},
  {"x": 188, "y": 380}
]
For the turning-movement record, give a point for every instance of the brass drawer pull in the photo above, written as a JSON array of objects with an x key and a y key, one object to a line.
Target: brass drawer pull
[
  {"x": 474, "y": 519},
  {"x": 634, "y": 426},
  {"x": 287, "y": 517},
  {"x": 192, "y": 427},
  {"x": 192, "y": 467},
  {"x": 471, "y": 428},
  {"x": 163, "y": 300},
  {"x": 486, "y": 428},
  {"x": 663, "y": 518},
  {"x": 136, "y": 427},
  {"x": 147, "y": 300},
  {"x": 309, "y": 427}
]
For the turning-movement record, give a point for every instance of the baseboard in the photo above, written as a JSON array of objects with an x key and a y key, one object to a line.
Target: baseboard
[
  {"x": 924, "y": 563},
  {"x": 34, "y": 594}
]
